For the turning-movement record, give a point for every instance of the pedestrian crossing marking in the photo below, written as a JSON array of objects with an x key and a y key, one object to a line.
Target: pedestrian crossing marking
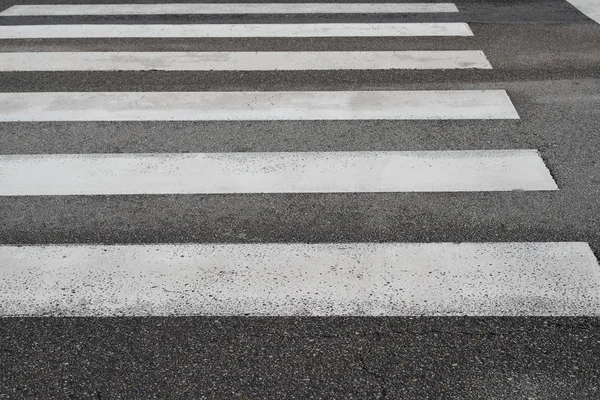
[
  {"x": 329, "y": 279},
  {"x": 591, "y": 8},
  {"x": 227, "y": 8},
  {"x": 236, "y": 106},
  {"x": 242, "y": 61},
  {"x": 326, "y": 279},
  {"x": 234, "y": 30},
  {"x": 273, "y": 172}
]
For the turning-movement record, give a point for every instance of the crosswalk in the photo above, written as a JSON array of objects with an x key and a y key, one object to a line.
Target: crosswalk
[
  {"x": 274, "y": 279},
  {"x": 306, "y": 172},
  {"x": 591, "y": 8},
  {"x": 235, "y": 30},
  {"x": 243, "y": 61},
  {"x": 301, "y": 279},
  {"x": 249, "y": 106},
  {"x": 227, "y": 8}
]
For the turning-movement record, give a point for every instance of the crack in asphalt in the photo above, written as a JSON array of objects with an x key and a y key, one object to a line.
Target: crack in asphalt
[{"x": 381, "y": 380}]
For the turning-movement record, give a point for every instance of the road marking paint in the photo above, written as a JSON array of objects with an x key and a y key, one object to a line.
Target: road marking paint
[
  {"x": 234, "y": 30},
  {"x": 591, "y": 8},
  {"x": 230, "y": 106},
  {"x": 273, "y": 172},
  {"x": 242, "y": 61},
  {"x": 357, "y": 279},
  {"x": 227, "y": 8}
]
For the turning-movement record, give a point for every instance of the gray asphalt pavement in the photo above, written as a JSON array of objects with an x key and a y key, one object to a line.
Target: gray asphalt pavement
[
  {"x": 297, "y": 358},
  {"x": 545, "y": 53}
]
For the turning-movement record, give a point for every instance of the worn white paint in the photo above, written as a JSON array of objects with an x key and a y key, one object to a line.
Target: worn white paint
[
  {"x": 358, "y": 279},
  {"x": 242, "y": 61},
  {"x": 233, "y": 30},
  {"x": 591, "y": 8},
  {"x": 227, "y": 8},
  {"x": 305, "y": 172},
  {"x": 230, "y": 106}
]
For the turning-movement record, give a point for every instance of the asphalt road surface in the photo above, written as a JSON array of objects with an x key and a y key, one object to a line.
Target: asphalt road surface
[{"x": 233, "y": 246}]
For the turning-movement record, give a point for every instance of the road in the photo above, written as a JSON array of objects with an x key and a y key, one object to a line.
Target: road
[{"x": 316, "y": 270}]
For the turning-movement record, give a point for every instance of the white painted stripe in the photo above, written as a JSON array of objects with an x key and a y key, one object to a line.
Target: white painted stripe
[
  {"x": 358, "y": 279},
  {"x": 242, "y": 61},
  {"x": 591, "y": 8},
  {"x": 229, "y": 8},
  {"x": 305, "y": 172},
  {"x": 233, "y": 30},
  {"x": 222, "y": 106}
]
